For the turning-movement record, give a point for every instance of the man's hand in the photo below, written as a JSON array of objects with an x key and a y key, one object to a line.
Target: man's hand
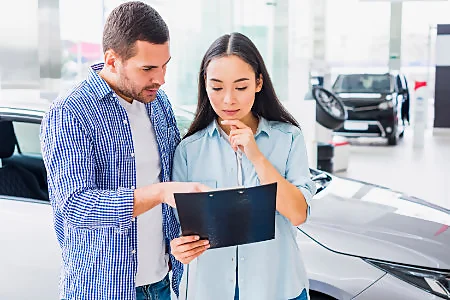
[
  {"x": 147, "y": 197},
  {"x": 187, "y": 248},
  {"x": 170, "y": 188}
]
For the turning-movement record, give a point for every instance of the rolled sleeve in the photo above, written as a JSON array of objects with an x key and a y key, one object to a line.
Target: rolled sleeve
[
  {"x": 297, "y": 168},
  {"x": 179, "y": 169},
  {"x": 68, "y": 154}
]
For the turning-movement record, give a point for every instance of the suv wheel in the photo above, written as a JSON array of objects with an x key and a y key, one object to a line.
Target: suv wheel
[
  {"x": 330, "y": 110},
  {"x": 393, "y": 139}
]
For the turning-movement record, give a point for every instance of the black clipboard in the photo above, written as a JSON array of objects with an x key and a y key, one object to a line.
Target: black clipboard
[{"x": 229, "y": 217}]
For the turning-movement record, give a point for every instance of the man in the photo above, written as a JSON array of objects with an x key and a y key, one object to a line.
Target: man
[{"x": 108, "y": 148}]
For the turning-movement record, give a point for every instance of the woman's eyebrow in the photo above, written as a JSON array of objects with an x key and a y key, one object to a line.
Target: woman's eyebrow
[{"x": 237, "y": 80}]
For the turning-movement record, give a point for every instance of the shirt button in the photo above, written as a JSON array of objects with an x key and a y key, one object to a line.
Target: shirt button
[
  {"x": 133, "y": 187},
  {"x": 125, "y": 122},
  {"x": 132, "y": 154},
  {"x": 133, "y": 251},
  {"x": 242, "y": 259}
]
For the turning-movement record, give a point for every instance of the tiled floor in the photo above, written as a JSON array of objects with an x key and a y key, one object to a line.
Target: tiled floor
[{"x": 424, "y": 173}]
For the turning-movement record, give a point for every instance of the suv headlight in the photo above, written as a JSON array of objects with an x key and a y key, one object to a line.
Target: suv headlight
[
  {"x": 432, "y": 281},
  {"x": 385, "y": 105}
]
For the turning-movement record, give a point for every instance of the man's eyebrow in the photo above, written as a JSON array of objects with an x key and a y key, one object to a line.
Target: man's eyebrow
[
  {"x": 167, "y": 61},
  {"x": 153, "y": 67}
]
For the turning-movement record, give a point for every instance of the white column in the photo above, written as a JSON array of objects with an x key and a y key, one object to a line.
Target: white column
[
  {"x": 279, "y": 52},
  {"x": 319, "y": 66},
  {"x": 49, "y": 47},
  {"x": 395, "y": 39},
  {"x": 299, "y": 47}
]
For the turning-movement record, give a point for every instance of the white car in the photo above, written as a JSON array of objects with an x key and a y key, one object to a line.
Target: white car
[{"x": 360, "y": 242}]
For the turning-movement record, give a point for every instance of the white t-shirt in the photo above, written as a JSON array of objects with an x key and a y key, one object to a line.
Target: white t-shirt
[{"x": 152, "y": 257}]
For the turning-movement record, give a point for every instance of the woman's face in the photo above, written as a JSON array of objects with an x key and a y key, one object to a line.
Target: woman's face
[{"x": 231, "y": 86}]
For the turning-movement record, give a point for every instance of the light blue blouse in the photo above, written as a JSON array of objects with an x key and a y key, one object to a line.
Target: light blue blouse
[{"x": 268, "y": 270}]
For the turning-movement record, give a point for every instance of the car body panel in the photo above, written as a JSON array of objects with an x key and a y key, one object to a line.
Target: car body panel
[
  {"x": 29, "y": 254},
  {"x": 399, "y": 290},
  {"x": 334, "y": 274},
  {"x": 369, "y": 221}
]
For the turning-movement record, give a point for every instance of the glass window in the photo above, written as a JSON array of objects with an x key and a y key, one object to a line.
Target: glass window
[
  {"x": 363, "y": 83},
  {"x": 27, "y": 135},
  {"x": 358, "y": 35}
]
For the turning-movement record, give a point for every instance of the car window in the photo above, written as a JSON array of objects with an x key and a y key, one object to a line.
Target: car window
[
  {"x": 184, "y": 119},
  {"x": 27, "y": 135},
  {"x": 363, "y": 83},
  {"x": 183, "y": 124}
]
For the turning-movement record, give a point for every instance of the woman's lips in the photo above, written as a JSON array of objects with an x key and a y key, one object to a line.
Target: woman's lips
[{"x": 231, "y": 112}]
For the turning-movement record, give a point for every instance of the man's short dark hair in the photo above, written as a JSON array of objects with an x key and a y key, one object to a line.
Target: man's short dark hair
[{"x": 130, "y": 22}]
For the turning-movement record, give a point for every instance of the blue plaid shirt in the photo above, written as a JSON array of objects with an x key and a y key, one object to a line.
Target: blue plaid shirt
[{"x": 88, "y": 152}]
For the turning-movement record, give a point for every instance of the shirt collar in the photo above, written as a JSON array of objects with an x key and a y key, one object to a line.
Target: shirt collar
[
  {"x": 263, "y": 127},
  {"x": 98, "y": 85}
]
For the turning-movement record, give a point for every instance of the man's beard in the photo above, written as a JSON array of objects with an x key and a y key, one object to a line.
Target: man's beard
[{"x": 126, "y": 88}]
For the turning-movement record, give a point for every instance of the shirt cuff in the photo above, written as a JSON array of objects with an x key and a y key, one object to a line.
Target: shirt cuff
[{"x": 125, "y": 208}]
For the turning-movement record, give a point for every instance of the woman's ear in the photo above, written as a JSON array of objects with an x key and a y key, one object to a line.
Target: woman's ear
[{"x": 259, "y": 83}]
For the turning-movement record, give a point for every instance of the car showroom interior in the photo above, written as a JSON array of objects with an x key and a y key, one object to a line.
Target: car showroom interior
[{"x": 368, "y": 82}]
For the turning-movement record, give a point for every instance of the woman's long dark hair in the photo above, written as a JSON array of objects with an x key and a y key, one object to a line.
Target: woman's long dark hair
[{"x": 266, "y": 103}]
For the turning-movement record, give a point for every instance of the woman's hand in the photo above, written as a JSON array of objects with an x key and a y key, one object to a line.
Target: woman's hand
[
  {"x": 242, "y": 137},
  {"x": 186, "y": 248}
]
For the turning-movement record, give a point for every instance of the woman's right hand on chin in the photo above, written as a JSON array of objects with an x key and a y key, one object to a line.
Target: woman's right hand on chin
[{"x": 187, "y": 248}]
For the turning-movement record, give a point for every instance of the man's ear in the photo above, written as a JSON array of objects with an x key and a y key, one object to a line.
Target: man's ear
[
  {"x": 111, "y": 61},
  {"x": 259, "y": 83}
]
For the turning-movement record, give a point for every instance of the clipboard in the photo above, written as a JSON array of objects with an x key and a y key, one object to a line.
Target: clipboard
[{"x": 229, "y": 217}]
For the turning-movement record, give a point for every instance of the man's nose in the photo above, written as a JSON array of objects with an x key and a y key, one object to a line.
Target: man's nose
[{"x": 159, "y": 77}]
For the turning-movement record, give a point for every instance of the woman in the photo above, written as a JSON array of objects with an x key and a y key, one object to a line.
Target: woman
[{"x": 242, "y": 136}]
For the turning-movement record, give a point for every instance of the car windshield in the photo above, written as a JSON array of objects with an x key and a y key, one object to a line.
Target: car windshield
[{"x": 363, "y": 83}]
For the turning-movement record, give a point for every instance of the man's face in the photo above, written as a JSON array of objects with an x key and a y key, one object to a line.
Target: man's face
[{"x": 140, "y": 77}]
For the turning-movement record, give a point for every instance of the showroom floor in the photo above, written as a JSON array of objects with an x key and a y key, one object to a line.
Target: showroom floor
[{"x": 423, "y": 173}]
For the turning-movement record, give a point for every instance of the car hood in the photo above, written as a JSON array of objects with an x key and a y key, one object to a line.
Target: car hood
[
  {"x": 369, "y": 221},
  {"x": 362, "y": 99}
]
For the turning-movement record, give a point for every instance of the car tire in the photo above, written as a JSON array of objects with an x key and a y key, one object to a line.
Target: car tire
[
  {"x": 393, "y": 140},
  {"x": 330, "y": 110},
  {"x": 325, "y": 151}
]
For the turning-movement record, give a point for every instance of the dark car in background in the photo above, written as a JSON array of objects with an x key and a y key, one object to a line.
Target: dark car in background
[{"x": 376, "y": 104}]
